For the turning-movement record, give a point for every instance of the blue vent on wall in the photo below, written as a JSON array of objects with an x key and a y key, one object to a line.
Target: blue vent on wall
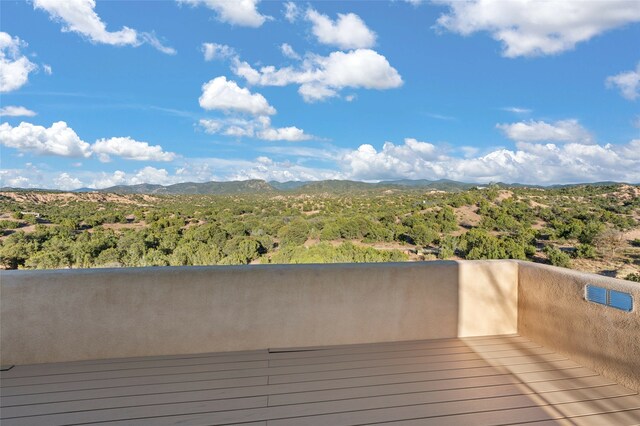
[
  {"x": 597, "y": 294},
  {"x": 620, "y": 300},
  {"x": 612, "y": 298}
]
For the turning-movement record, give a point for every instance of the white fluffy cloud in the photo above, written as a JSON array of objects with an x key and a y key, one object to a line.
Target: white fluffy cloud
[
  {"x": 67, "y": 182},
  {"x": 569, "y": 131},
  {"x": 290, "y": 133},
  {"x": 288, "y": 51},
  {"x": 530, "y": 28},
  {"x": 213, "y": 51},
  {"x": 59, "y": 139},
  {"x": 79, "y": 16},
  {"x": 225, "y": 95},
  {"x": 322, "y": 77},
  {"x": 147, "y": 174},
  {"x": 195, "y": 170},
  {"x": 259, "y": 128},
  {"x": 517, "y": 110},
  {"x": 291, "y": 11},
  {"x": 627, "y": 82},
  {"x": 130, "y": 149},
  {"x": 236, "y": 12},
  {"x": 392, "y": 161},
  {"x": 153, "y": 41},
  {"x": 347, "y": 32},
  {"x": 14, "y": 67},
  {"x": 267, "y": 169},
  {"x": 530, "y": 163},
  {"x": 16, "y": 111}
]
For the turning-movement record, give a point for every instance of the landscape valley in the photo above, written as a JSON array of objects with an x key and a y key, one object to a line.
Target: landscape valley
[{"x": 589, "y": 227}]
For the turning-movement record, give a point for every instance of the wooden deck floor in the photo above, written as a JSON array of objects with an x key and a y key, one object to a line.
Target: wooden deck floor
[{"x": 496, "y": 380}]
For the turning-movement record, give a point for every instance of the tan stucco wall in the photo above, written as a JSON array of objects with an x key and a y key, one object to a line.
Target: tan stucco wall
[
  {"x": 552, "y": 312},
  {"x": 487, "y": 297},
  {"x": 64, "y": 315}
]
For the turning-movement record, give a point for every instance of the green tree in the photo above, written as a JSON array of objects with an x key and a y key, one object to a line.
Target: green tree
[
  {"x": 556, "y": 257},
  {"x": 421, "y": 235},
  {"x": 295, "y": 233}
]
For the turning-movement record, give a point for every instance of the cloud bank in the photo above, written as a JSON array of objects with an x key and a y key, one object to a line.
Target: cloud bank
[
  {"x": 537, "y": 28},
  {"x": 79, "y": 16}
]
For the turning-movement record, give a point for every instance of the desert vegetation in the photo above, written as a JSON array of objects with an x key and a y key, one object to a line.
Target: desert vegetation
[{"x": 595, "y": 228}]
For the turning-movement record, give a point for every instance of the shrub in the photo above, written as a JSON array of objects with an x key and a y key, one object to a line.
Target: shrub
[
  {"x": 10, "y": 224},
  {"x": 633, "y": 277},
  {"x": 448, "y": 247},
  {"x": 295, "y": 233},
  {"x": 557, "y": 257},
  {"x": 585, "y": 251},
  {"x": 421, "y": 235}
]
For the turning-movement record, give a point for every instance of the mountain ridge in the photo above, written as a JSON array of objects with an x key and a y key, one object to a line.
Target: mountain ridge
[{"x": 257, "y": 186}]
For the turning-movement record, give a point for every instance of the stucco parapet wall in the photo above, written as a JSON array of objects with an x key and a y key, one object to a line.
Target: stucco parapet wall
[
  {"x": 553, "y": 312},
  {"x": 66, "y": 315}
]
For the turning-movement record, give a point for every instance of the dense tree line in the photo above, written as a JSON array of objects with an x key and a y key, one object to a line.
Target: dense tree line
[{"x": 555, "y": 226}]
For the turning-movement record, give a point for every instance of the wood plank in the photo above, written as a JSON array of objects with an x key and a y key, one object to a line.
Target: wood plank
[
  {"x": 132, "y": 413},
  {"x": 214, "y": 357},
  {"x": 279, "y": 375},
  {"x": 428, "y": 374},
  {"x": 532, "y": 353},
  {"x": 175, "y": 408},
  {"x": 131, "y": 381},
  {"x": 402, "y": 390},
  {"x": 39, "y": 370},
  {"x": 253, "y": 355},
  {"x": 381, "y": 370},
  {"x": 213, "y": 380},
  {"x": 366, "y": 356},
  {"x": 274, "y": 399},
  {"x": 585, "y": 394},
  {"x": 524, "y": 359},
  {"x": 479, "y": 339},
  {"x": 562, "y": 364},
  {"x": 452, "y": 363},
  {"x": 618, "y": 418},
  {"x": 584, "y": 408},
  {"x": 36, "y": 370},
  {"x": 113, "y": 399},
  {"x": 572, "y": 383},
  {"x": 129, "y": 373},
  {"x": 8, "y": 400},
  {"x": 544, "y": 376},
  {"x": 369, "y": 410},
  {"x": 479, "y": 381},
  {"x": 519, "y": 416},
  {"x": 396, "y": 347},
  {"x": 303, "y": 414}
]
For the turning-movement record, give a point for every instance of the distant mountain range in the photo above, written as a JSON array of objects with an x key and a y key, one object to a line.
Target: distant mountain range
[
  {"x": 262, "y": 187},
  {"x": 324, "y": 186}
]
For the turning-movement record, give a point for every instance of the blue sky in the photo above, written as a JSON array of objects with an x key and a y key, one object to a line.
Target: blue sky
[{"x": 95, "y": 94}]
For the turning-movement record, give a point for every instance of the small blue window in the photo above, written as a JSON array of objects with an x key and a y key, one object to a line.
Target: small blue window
[
  {"x": 597, "y": 294},
  {"x": 620, "y": 300}
]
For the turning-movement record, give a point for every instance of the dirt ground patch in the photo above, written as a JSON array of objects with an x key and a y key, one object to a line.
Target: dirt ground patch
[
  {"x": 538, "y": 225},
  {"x": 467, "y": 215},
  {"x": 504, "y": 195},
  {"x": 121, "y": 226},
  {"x": 631, "y": 235},
  {"x": 96, "y": 197},
  {"x": 613, "y": 268},
  {"x": 537, "y": 204}
]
